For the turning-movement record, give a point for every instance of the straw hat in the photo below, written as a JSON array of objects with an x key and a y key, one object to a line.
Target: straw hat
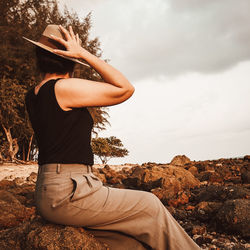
[{"x": 50, "y": 44}]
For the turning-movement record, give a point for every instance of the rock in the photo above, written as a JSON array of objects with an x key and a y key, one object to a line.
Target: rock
[
  {"x": 198, "y": 239},
  {"x": 210, "y": 176},
  {"x": 189, "y": 208},
  {"x": 180, "y": 160},
  {"x": 7, "y": 184},
  {"x": 234, "y": 217},
  {"x": 247, "y": 158},
  {"x": 199, "y": 230},
  {"x": 32, "y": 177},
  {"x": 12, "y": 211},
  {"x": 179, "y": 214},
  {"x": 19, "y": 180},
  {"x": 100, "y": 175},
  {"x": 182, "y": 199},
  {"x": 219, "y": 193},
  {"x": 205, "y": 211},
  {"x": 245, "y": 173},
  {"x": 165, "y": 177},
  {"x": 164, "y": 181},
  {"x": 109, "y": 173},
  {"x": 41, "y": 235},
  {"x": 193, "y": 170},
  {"x": 210, "y": 168}
]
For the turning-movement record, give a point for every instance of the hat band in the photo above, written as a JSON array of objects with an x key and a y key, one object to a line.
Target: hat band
[{"x": 51, "y": 43}]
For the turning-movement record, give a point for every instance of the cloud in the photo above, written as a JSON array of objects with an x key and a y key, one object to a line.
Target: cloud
[
  {"x": 202, "y": 116},
  {"x": 150, "y": 38}
]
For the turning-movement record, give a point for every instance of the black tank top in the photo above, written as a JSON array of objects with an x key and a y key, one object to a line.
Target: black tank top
[{"x": 62, "y": 136}]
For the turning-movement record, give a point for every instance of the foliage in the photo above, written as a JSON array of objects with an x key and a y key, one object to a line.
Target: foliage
[
  {"x": 107, "y": 148},
  {"x": 18, "y": 68}
]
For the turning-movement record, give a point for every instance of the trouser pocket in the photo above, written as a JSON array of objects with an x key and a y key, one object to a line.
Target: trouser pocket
[{"x": 85, "y": 184}]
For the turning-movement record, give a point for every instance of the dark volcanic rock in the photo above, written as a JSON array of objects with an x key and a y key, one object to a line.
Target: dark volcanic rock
[
  {"x": 234, "y": 217},
  {"x": 41, "y": 235},
  {"x": 219, "y": 193},
  {"x": 205, "y": 211},
  {"x": 245, "y": 173}
]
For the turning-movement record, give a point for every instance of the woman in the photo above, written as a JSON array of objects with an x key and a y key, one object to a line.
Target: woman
[{"x": 67, "y": 192}]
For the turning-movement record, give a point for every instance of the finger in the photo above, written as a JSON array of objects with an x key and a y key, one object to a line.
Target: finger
[
  {"x": 65, "y": 32},
  {"x": 58, "y": 39},
  {"x": 61, "y": 52},
  {"x": 72, "y": 33},
  {"x": 77, "y": 38}
]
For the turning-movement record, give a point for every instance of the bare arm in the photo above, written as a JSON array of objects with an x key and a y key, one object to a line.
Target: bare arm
[{"x": 76, "y": 92}]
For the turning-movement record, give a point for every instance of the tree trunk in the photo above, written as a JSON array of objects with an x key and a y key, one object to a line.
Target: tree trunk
[
  {"x": 13, "y": 145},
  {"x": 30, "y": 143},
  {"x": 15, "y": 149},
  {"x": 23, "y": 157}
]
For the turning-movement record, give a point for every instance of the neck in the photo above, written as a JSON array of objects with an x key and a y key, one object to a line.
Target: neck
[{"x": 49, "y": 76}]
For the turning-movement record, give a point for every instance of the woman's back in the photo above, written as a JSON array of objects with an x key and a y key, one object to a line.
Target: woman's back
[{"x": 62, "y": 136}]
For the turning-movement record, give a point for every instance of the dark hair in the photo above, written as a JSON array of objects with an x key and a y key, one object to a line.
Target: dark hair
[{"x": 48, "y": 62}]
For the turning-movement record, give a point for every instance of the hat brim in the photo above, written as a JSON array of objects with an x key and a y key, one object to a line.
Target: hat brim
[{"x": 51, "y": 50}]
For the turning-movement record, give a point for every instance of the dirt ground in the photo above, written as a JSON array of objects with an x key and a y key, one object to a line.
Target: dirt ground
[{"x": 10, "y": 171}]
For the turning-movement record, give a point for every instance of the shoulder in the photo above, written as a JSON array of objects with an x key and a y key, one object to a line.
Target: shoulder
[
  {"x": 69, "y": 83},
  {"x": 71, "y": 86}
]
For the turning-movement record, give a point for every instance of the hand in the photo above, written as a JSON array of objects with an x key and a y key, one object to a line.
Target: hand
[{"x": 72, "y": 44}]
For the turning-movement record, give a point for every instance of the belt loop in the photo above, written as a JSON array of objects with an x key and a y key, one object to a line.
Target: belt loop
[
  {"x": 58, "y": 168},
  {"x": 89, "y": 168}
]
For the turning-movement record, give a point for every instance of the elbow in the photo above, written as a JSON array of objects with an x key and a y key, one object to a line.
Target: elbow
[
  {"x": 130, "y": 91},
  {"x": 125, "y": 94}
]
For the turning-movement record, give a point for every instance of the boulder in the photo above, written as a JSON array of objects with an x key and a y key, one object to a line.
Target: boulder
[
  {"x": 169, "y": 178},
  {"x": 180, "y": 160},
  {"x": 12, "y": 211},
  {"x": 219, "y": 193},
  {"x": 205, "y": 211},
  {"x": 38, "y": 234},
  {"x": 233, "y": 217}
]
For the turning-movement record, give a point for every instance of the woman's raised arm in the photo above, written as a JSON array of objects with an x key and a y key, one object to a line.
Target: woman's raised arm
[{"x": 76, "y": 92}]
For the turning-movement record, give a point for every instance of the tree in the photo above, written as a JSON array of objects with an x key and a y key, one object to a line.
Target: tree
[
  {"x": 18, "y": 68},
  {"x": 107, "y": 148},
  {"x": 11, "y": 95}
]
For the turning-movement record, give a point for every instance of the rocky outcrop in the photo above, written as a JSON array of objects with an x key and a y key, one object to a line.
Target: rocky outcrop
[
  {"x": 38, "y": 234},
  {"x": 12, "y": 211},
  {"x": 167, "y": 182},
  {"x": 210, "y": 199}
]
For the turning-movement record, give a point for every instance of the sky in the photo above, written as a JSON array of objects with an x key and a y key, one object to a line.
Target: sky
[{"x": 189, "y": 62}]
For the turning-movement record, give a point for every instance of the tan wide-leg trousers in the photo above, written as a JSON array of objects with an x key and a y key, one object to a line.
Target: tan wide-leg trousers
[{"x": 70, "y": 194}]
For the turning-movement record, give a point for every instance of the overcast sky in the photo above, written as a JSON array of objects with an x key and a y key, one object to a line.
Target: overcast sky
[{"x": 190, "y": 64}]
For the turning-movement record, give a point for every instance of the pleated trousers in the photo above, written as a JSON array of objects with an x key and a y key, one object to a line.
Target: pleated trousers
[{"x": 70, "y": 194}]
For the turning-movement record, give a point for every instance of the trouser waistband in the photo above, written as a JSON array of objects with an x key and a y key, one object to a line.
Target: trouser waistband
[{"x": 62, "y": 167}]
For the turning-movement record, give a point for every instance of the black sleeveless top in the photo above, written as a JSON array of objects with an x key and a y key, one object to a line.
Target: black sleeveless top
[{"x": 62, "y": 136}]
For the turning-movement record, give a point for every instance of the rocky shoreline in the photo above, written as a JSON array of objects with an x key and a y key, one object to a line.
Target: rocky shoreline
[{"x": 210, "y": 199}]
